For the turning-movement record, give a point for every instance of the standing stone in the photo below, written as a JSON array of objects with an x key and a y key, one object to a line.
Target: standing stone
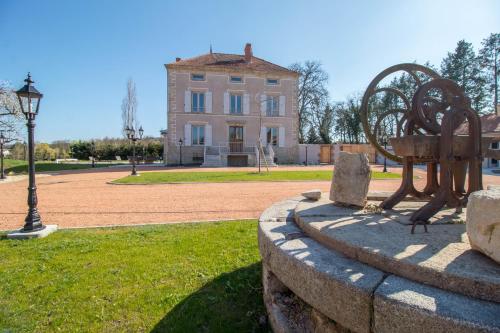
[
  {"x": 483, "y": 222},
  {"x": 351, "y": 178}
]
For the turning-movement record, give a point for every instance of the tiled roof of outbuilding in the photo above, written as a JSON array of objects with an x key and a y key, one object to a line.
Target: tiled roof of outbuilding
[{"x": 490, "y": 124}]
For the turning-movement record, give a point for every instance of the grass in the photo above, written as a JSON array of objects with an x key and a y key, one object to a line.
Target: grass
[
  {"x": 21, "y": 167},
  {"x": 225, "y": 176},
  {"x": 171, "y": 278}
]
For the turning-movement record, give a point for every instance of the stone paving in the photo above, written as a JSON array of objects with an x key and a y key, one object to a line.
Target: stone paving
[{"x": 83, "y": 198}]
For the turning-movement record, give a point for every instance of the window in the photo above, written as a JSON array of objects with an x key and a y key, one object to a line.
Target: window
[
  {"x": 236, "y": 79},
  {"x": 197, "y": 77},
  {"x": 235, "y": 106},
  {"x": 198, "y": 135},
  {"x": 272, "y": 135},
  {"x": 197, "y": 102},
  {"x": 273, "y": 82},
  {"x": 272, "y": 106}
]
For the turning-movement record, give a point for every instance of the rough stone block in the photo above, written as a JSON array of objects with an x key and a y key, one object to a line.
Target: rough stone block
[
  {"x": 281, "y": 211},
  {"x": 351, "y": 179},
  {"x": 401, "y": 305},
  {"x": 335, "y": 285},
  {"x": 312, "y": 194},
  {"x": 483, "y": 222}
]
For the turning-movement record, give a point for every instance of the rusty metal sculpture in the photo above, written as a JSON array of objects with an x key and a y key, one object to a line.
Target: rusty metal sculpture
[{"x": 421, "y": 120}]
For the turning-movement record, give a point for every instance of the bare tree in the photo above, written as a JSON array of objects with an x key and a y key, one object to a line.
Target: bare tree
[
  {"x": 312, "y": 94},
  {"x": 129, "y": 108},
  {"x": 10, "y": 113},
  {"x": 323, "y": 120}
]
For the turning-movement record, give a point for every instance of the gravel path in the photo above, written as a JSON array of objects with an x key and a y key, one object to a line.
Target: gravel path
[{"x": 84, "y": 198}]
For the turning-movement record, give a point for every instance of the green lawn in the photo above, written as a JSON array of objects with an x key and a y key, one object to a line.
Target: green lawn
[
  {"x": 225, "y": 176},
  {"x": 174, "y": 278},
  {"x": 21, "y": 167}
]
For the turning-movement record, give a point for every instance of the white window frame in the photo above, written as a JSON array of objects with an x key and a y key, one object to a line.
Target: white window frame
[
  {"x": 269, "y": 139},
  {"x": 236, "y": 76},
  {"x": 236, "y": 97},
  {"x": 195, "y": 139},
  {"x": 272, "y": 84},
  {"x": 193, "y": 75},
  {"x": 272, "y": 106},
  {"x": 198, "y": 109}
]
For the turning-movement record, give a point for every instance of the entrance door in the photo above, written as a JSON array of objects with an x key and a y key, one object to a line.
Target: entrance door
[
  {"x": 325, "y": 154},
  {"x": 236, "y": 139}
]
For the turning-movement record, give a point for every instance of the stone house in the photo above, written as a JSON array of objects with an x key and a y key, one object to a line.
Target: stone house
[
  {"x": 220, "y": 105},
  {"x": 490, "y": 128}
]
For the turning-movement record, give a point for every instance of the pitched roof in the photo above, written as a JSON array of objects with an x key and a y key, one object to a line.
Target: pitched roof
[
  {"x": 490, "y": 123},
  {"x": 232, "y": 62}
]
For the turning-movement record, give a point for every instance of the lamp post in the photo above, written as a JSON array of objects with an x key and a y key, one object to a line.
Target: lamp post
[
  {"x": 92, "y": 147},
  {"x": 2, "y": 142},
  {"x": 383, "y": 137},
  {"x": 180, "y": 151},
  {"x": 133, "y": 136},
  {"x": 29, "y": 100}
]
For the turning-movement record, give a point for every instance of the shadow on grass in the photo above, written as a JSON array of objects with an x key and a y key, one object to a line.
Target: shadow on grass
[{"x": 232, "y": 302}]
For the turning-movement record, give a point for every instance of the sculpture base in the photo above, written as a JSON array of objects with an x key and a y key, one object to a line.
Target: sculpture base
[
  {"x": 20, "y": 234},
  {"x": 361, "y": 270}
]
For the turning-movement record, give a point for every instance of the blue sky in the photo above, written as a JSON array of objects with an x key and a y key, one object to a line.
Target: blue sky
[{"x": 81, "y": 53}]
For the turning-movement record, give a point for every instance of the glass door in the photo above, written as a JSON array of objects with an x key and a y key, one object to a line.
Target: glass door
[{"x": 236, "y": 139}]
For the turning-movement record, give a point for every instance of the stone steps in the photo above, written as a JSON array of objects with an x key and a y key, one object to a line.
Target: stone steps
[{"x": 340, "y": 292}]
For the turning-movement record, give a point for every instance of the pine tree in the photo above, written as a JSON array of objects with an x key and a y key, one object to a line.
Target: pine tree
[
  {"x": 312, "y": 135},
  {"x": 489, "y": 56},
  {"x": 463, "y": 67}
]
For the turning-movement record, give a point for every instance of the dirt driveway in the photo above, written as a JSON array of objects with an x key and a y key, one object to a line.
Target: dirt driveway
[{"x": 83, "y": 198}]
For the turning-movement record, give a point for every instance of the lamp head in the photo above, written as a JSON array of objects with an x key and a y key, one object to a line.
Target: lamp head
[{"x": 29, "y": 98}]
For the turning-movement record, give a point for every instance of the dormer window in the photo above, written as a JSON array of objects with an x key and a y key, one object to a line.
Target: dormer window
[
  {"x": 197, "y": 77},
  {"x": 236, "y": 79},
  {"x": 273, "y": 82}
]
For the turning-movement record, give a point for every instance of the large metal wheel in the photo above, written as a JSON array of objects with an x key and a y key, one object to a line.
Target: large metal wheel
[
  {"x": 386, "y": 109},
  {"x": 433, "y": 100}
]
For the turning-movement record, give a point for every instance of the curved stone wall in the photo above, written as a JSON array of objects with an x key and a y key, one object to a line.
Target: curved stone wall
[{"x": 311, "y": 287}]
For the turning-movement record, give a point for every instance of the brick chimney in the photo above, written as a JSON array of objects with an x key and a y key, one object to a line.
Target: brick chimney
[
  {"x": 248, "y": 52},
  {"x": 177, "y": 59}
]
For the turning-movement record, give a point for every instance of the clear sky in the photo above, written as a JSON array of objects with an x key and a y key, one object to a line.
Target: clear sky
[{"x": 81, "y": 53}]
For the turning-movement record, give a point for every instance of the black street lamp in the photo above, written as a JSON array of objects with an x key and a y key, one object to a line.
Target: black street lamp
[
  {"x": 133, "y": 136},
  {"x": 383, "y": 137},
  {"x": 29, "y": 100},
  {"x": 2, "y": 142},
  {"x": 92, "y": 147},
  {"x": 180, "y": 151}
]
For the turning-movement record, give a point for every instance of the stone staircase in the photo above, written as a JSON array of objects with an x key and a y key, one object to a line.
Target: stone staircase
[
  {"x": 215, "y": 156},
  {"x": 268, "y": 158},
  {"x": 212, "y": 157},
  {"x": 212, "y": 161}
]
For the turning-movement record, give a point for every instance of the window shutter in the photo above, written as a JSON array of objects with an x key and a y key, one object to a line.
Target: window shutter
[
  {"x": 282, "y": 106},
  {"x": 246, "y": 104},
  {"x": 187, "y": 135},
  {"x": 263, "y": 104},
  {"x": 208, "y": 97},
  {"x": 208, "y": 135},
  {"x": 281, "y": 137},
  {"x": 187, "y": 101},
  {"x": 226, "y": 102},
  {"x": 263, "y": 135}
]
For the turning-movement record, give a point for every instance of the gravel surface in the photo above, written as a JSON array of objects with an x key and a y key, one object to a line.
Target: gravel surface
[{"x": 84, "y": 198}]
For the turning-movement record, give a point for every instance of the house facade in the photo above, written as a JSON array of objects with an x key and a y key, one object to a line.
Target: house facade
[{"x": 221, "y": 105}]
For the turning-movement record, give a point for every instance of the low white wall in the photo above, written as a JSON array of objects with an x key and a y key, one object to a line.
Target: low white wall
[{"x": 312, "y": 153}]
